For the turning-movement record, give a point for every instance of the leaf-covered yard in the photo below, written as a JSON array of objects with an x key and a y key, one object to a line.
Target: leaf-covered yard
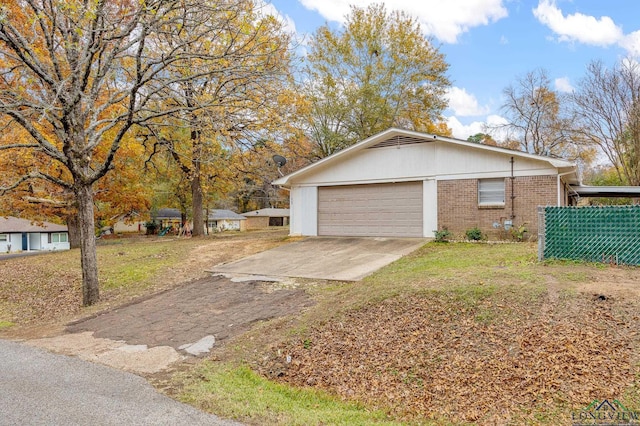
[
  {"x": 473, "y": 333},
  {"x": 487, "y": 357}
]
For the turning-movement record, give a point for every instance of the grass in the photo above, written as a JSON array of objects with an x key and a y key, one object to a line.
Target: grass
[
  {"x": 237, "y": 392},
  {"x": 6, "y": 324},
  {"x": 47, "y": 288},
  {"x": 128, "y": 265}
]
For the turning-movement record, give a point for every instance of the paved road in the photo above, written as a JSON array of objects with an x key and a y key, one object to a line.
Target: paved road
[{"x": 40, "y": 388}]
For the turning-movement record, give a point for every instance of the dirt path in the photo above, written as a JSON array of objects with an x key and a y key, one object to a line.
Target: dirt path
[
  {"x": 211, "y": 306},
  {"x": 151, "y": 334}
]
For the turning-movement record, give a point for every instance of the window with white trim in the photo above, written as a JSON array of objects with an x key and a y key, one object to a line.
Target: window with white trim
[
  {"x": 491, "y": 192},
  {"x": 60, "y": 237}
]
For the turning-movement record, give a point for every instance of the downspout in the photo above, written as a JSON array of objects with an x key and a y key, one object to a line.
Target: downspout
[
  {"x": 513, "y": 196},
  {"x": 560, "y": 192}
]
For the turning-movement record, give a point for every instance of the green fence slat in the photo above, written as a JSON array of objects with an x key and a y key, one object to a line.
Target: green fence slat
[{"x": 599, "y": 234}]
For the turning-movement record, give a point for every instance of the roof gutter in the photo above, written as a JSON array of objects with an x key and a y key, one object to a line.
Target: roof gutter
[{"x": 559, "y": 181}]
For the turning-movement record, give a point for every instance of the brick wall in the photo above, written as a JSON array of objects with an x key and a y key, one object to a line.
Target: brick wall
[
  {"x": 458, "y": 208},
  {"x": 256, "y": 222}
]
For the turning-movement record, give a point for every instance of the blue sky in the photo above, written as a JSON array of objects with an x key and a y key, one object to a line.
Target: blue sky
[{"x": 489, "y": 43}]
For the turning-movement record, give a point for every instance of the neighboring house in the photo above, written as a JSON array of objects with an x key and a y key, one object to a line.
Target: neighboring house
[
  {"x": 129, "y": 223},
  {"x": 168, "y": 217},
  {"x": 401, "y": 183},
  {"x": 225, "y": 220},
  {"x": 24, "y": 235},
  {"x": 264, "y": 218}
]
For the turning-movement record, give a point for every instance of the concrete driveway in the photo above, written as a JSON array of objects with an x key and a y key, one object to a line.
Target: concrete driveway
[{"x": 327, "y": 258}]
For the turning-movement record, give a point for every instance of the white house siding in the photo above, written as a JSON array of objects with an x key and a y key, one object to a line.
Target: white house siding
[
  {"x": 423, "y": 161},
  {"x": 12, "y": 245},
  {"x": 304, "y": 210},
  {"x": 46, "y": 245},
  {"x": 35, "y": 241},
  {"x": 224, "y": 225},
  {"x": 15, "y": 242},
  {"x": 430, "y": 207}
]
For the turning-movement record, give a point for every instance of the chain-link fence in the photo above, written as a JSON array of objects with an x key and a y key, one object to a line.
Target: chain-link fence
[{"x": 609, "y": 234}]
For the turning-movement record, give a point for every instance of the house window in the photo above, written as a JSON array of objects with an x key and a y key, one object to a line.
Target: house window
[
  {"x": 60, "y": 238},
  {"x": 4, "y": 238},
  {"x": 491, "y": 192}
]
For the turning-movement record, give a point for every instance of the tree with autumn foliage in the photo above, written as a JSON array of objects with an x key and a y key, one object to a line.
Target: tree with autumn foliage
[
  {"x": 237, "y": 104},
  {"x": 124, "y": 190},
  {"x": 79, "y": 75},
  {"x": 380, "y": 71}
]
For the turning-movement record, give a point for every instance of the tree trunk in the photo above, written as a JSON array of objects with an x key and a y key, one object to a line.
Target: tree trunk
[
  {"x": 73, "y": 226},
  {"x": 197, "y": 202},
  {"x": 88, "y": 256}
]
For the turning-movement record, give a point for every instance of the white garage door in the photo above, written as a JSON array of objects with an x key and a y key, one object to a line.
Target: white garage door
[{"x": 377, "y": 210}]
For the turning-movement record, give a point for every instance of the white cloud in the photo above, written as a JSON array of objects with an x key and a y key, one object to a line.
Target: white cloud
[
  {"x": 578, "y": 27},
  {"x": 631, "y": 43},
  {"x": 463, "y": 131},
  {"x": 464, "y": 104},
  {"x": 563, "y": 85},
  {"x": 444, "y": 20},
  {"x": 586, "y": 29}
]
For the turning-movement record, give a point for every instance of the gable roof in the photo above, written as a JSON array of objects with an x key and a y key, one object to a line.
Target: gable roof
[
  {"x": 267, "y": 213},
  {"x": 218, "y": 214},
  {"x": 168, "y": 213},
  {"x": 398, "y": 137},
  {"x": 14, "y": 224}
]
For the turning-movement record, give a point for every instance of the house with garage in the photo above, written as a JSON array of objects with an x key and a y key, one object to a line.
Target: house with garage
[
  {"x": 266, "y": 218},
  {"x": 402, "y": 183},
  {"x": 17, "y": 235}
]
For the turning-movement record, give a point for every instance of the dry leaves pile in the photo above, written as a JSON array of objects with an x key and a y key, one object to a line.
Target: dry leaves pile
[
  {"x": 494, "y": 362},
  {"x": 30, "y": 293}
]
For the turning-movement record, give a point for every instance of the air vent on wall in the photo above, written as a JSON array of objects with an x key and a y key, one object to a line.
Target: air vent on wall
[{"x": 400, "y": 140}]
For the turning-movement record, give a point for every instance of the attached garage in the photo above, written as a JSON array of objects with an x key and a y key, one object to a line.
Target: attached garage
[
  {"x": 374, "y": 210},
  {"x": 401, "y": 183}
]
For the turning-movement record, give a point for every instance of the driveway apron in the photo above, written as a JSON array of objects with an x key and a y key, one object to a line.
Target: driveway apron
[{"x": 327, "y": 258}]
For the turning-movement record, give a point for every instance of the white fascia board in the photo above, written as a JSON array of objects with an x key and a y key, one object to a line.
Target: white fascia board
[
  {"x": 366, "y": 181},
  {"x": 286, "y": 180}
]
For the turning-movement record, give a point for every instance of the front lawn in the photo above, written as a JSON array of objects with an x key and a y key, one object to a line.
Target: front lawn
[
  {"x": 453, "y": 334},
  {"x": 46, "y": 288}
]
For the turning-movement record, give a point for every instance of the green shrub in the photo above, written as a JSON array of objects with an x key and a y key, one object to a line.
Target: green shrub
[
  {"x": 443, "y": 235},
  {"x": 474, "y": 234},
  {"x": 517, "y": 232},
  {"x": 152, "y": 227}
]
